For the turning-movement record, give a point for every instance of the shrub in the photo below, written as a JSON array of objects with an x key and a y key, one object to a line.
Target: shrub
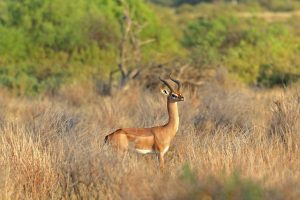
[
  {"x": 81, "y": 38},
  {"x": 256, "y": 52},
  {"x": 233, "y": 187},
  {"x": 32, "y": 80}
]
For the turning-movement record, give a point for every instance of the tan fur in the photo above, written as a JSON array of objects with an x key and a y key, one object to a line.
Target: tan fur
[{"x": 155, "y": 139}]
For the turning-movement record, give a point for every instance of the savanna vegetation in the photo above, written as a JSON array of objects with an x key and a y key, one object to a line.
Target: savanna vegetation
[
  {"x": 72, "y": 72},
  {"x": 232, "y": 143}
]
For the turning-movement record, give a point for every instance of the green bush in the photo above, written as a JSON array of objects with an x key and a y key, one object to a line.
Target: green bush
[
  {"x": 273, "y": 5},
  {"x": 206, "y": 37},
  {"x": 254, "y": 51},
  {"x": 13, "y": 43},
  {"x": 82, "y": 38},
  {"x": 30, "y": 81},
  {"x": 70, "y": 27},
  {"x": 233, "y": 186}
]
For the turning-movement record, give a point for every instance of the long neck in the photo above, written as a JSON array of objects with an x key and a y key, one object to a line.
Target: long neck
[{"x": 173, "y": 122}]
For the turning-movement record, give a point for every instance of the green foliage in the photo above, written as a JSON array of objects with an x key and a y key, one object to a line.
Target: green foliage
[
  {"x": 23, "y": 80},
  {"x": 273, "y": 5},
  {"x": 238, "y": 188},
  {"x": 52, "y": 24},
  {"x": 232, "y": 187},
  {"x": 82, "y": 39},
  {"x": 253, "y": 50},
  {"x": 188, "y": 174},
  {"x": 206, "y": 38},
  {"x": 264, "y": 52},
  {"x": 69, "y": 27},
  {"x": 13, "y": 44}
]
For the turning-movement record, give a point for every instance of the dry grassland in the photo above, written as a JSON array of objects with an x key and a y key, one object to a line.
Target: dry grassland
[{"x": 232, "y": 143}]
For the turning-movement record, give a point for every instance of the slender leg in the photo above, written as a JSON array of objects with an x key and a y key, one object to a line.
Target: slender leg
[
  {"x": 161, "y": 160},
  {"x": 157, "y": 158}
]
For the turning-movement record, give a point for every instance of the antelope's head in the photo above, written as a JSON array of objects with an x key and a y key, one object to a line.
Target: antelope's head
[{"x": 172, "y": 94}]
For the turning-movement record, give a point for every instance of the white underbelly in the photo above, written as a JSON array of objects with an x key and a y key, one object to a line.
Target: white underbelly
[{"x": 146, "y": 151}]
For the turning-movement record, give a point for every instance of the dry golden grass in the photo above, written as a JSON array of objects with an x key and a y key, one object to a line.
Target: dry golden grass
[{"x": 232, "y": 143}]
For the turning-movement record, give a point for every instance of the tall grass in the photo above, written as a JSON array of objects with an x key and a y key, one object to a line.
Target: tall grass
[{"x": 232, "y": 143}]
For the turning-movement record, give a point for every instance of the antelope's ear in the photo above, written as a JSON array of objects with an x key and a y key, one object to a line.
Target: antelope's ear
[{"x": 164, "y": 91}]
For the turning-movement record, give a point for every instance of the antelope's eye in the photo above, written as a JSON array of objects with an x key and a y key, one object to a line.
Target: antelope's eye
[{"x": 174, "y": 95}]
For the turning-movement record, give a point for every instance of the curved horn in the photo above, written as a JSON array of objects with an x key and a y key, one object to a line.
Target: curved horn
[
  {"x": 177, "y": 82},
  {"x": 166, "y": 83}
]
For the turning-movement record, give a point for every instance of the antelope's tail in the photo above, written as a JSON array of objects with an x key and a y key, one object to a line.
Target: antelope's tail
[{"x": 106, "y": 139}]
